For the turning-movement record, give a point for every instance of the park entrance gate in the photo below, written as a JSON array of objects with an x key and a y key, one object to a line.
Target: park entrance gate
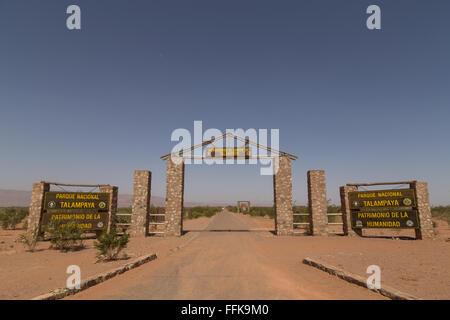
[{"x": 282, "y": 185}]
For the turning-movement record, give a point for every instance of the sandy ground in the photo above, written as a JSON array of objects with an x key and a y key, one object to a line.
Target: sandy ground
[
  {"x": 419, "y": 268},
  {"x": 416, "y": 267},
  {"x": 24, "y": 275},
  {"x": 234, "y": 256}
]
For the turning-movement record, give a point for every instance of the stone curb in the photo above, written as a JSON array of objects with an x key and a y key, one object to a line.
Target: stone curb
[
  {"x": 94, "y": 280},
  {"x": 386, "y": 291}
]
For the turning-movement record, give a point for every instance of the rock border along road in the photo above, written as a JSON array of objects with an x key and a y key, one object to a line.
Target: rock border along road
[
  {"x": 92, "y": 281},
  {"x": 232, "y": 258},
  {"x": 358, "y": 280}
]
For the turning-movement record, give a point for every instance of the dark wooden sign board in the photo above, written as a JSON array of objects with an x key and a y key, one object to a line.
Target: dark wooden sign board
[
  {"x": 395, "y": 208},
  {"x": 89, "y": 210}
]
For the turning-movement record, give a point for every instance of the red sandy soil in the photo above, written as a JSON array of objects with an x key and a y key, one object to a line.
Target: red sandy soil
[
  {"x": 419, "y": 268},
  {"x": 24, "y": 275},
  {"x": 234, "y": 256}
]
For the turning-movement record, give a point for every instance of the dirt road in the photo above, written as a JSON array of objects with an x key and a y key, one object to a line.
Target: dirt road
[{"x": 232, "y": 258}]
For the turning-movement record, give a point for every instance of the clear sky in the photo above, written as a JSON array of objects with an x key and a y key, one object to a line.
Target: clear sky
[{"x": 93, "y": 105}]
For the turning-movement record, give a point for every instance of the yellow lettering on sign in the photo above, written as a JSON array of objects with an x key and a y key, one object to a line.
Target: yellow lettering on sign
[
  {"x": 84, "y": 225},
  {"x": 65, "y": 196},
  {"x": 80, "y": 216},
  {"x": 380, "y": 203},
  {"x": 383, "y": 224},
  {"x": 366, "y": 195},
  {"x": 390, "y": 194},
  {"x": 379, "y": 215},
  {"x": 87, "y": 196},
  {"x": 77, "y": 205}
]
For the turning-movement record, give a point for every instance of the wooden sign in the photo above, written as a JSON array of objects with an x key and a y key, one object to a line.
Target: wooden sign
[
  {"x": 89, "y": 210},
  {"x": 384, "y": 209},
  {"x": 237, "y": 152},
  {"x": 243, "y": 206},
  {"x": 382, "y": 198}
]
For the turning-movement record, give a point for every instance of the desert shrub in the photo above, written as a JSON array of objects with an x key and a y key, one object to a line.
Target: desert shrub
[
  {"x": 196, "y": 212},
  {"x": 300, "y": 209},
  {"x": 64, "y": 237},
  {"x": 127, "y": 219},
  {"x": 11, "y": 217},
  {"x": 123, "y": 219},
  {"x": 270, "y": 211},
  {"x": 30, "y": 239},
  {"x": 255, "y": 211},
  {"x": 334, "y": 209},
  {"x": 441, "y": 212},
  {"x": 261, "y": 211},
  {"x": 124, "y": 210},
  {"x": 110, "y": 244},
  {"x": 305, "y": 209},
  {"x": 157, "y": 210},
  {"x": 331, "y": 208}
]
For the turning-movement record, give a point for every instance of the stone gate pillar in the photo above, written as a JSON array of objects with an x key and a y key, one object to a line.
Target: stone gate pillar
[
  {"x": 282, "y": 190},
  {"x": 113, "y": 196},
  {"x": 37, "y": 205},
  {"x": 174, "y": 196},
  {"x": 317, "y": 202},
  {"x": 141, "y": 203},
  {"x": 423, "y": 206},
  {"x": 345, "y": 209}
]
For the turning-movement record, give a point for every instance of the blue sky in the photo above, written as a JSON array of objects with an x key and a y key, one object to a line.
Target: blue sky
[{"x": 93, "y": 105}]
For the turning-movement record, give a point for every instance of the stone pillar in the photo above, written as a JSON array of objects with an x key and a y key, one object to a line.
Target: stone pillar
[
  {"x": 174, "y": 196},
  {"x": 141, "y": 203},
  {"x": 317, "y": 202},
  {"x": 37, "y": 205},
  {"x": 282, "y": 190},
  {"x": 345, "y": 209},
  {"x": 113, "y": 194},
  {"x": 423, "y": 207}
]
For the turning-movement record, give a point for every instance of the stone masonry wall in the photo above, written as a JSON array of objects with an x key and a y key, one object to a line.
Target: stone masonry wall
[
  {"x": 141, "y": 203},
  {"x": 37, "y": 205},
  {"x": 346, "y": 216},
  {"x": 423, "y": 205},
  {"x": 317, "y": 202},
  {"x": 282, "y": 190},
  {"x": 113, "y": 195},
  {"x": 174, "y": 196}
]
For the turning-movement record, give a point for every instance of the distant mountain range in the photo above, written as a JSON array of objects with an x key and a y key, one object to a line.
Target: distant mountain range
[{"x": 20, "y": 198}]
